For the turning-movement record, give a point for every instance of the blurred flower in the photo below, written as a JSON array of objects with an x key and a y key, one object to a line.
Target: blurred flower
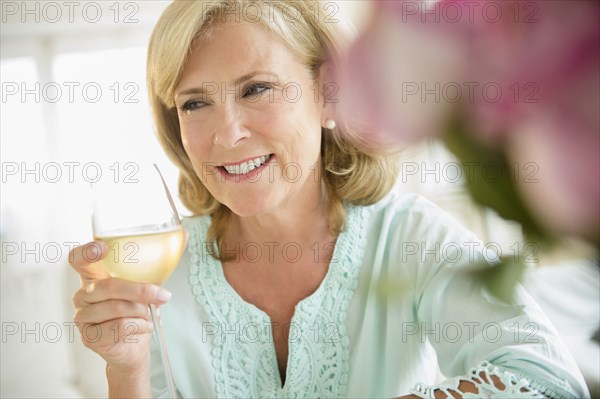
[
  {"x": 564, "y": 194},
  {"x": 393, "y": 66},
  {"x": 522, "y": 76},
  {"x": 544, "y": 56}
]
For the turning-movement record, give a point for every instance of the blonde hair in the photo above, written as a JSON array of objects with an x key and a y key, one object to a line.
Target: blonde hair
[{"x": 352, "y": 169}]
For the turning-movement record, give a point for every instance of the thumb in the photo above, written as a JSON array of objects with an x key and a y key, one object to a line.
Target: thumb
[{"x": 84, "y": 260}]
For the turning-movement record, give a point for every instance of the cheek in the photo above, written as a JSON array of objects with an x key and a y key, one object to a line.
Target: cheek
[
  {"x": 296, "y": 123},
  {"x": 195, "y": 142}
]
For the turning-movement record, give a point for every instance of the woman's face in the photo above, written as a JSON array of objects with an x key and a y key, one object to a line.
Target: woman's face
[{"x": 250, "y": 118}]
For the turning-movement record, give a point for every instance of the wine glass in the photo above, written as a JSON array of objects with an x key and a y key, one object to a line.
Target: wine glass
[{"x": 134, "y": 214}]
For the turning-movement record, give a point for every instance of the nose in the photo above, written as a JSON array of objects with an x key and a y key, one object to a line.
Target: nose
[{"x": 230, "y": 132}]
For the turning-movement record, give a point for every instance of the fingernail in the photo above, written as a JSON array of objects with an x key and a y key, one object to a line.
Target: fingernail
[
  {"x": 163, "y": 295},
  {"x": 95, "y": 249}
]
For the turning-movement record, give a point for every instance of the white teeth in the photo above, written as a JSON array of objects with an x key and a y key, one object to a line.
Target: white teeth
[
  {"x": 245, "y": 167},
  {"x": 235, "y": 169}
]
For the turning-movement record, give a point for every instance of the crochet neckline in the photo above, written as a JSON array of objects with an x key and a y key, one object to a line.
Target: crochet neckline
[
  {"x": 339, "y": 243},
  {"x": 325, "y": 307}
]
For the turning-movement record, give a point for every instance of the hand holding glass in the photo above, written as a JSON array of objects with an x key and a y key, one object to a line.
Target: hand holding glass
[{"x": 137, "y": 219}]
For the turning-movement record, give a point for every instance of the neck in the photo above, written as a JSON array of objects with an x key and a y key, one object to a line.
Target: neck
[{"x": 301, "y": 220}]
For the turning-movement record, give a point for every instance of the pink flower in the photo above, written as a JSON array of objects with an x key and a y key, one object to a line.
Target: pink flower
[
  {"x": 548, "y": 115},
  {"x": 397, "y": 70},
  {"x": 558, "y": 177},
  {"x": 524, "y": 74},
  {"x": 541, "y": 54}
]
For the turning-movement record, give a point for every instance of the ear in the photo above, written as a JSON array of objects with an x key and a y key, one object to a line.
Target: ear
[{"x": 328, "y": 91}]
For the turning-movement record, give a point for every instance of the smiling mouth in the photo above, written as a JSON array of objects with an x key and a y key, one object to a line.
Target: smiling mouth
[{"x": 247, "y": 166}]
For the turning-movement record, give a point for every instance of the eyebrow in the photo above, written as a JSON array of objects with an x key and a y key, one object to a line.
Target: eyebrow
[{"x": 238, "y": 81}]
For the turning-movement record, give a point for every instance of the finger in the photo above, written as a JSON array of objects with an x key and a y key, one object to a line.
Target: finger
[
  {"x": 116, "y": 288},
  {"x": 113, "y": 332},
  {"x": 83, "y": 259},
  {"x": 111, "y": 310}
]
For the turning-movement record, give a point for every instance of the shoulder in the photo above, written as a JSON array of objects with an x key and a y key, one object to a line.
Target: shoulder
[
  {"x": 410, "y": 234},
  {"x": 412, "y": 216}
]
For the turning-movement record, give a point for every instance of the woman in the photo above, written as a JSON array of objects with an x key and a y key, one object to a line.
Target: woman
[{"x": 302, "y": 277}]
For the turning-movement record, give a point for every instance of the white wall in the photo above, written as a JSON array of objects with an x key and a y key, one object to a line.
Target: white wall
[{"x": 50, "y": 138}]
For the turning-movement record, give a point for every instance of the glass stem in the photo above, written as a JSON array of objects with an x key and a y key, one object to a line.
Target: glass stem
[{"x": 164, "y": 356}]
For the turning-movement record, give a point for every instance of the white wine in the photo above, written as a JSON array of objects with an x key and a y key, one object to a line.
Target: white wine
[{"x": 143, "y": 257}]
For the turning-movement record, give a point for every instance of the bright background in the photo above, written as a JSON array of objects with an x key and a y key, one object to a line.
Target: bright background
[{"x": 47, "y": 129}]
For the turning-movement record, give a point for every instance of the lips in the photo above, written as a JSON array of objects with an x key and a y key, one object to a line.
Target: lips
[{"x": 244, "y": 167}]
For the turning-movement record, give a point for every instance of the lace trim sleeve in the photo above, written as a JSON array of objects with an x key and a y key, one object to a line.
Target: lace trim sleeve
[{"x": 513, "y": 386}]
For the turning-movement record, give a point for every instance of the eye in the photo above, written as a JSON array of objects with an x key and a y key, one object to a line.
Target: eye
[
  {"x": 256, "y": 89},
  {"x": 192, "y": 105}
]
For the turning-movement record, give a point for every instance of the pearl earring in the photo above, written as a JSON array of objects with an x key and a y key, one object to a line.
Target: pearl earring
[{"x": 330, "y": 124}]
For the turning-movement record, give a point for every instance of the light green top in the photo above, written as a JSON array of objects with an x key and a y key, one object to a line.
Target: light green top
[{"x": 395, "y": 303}]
